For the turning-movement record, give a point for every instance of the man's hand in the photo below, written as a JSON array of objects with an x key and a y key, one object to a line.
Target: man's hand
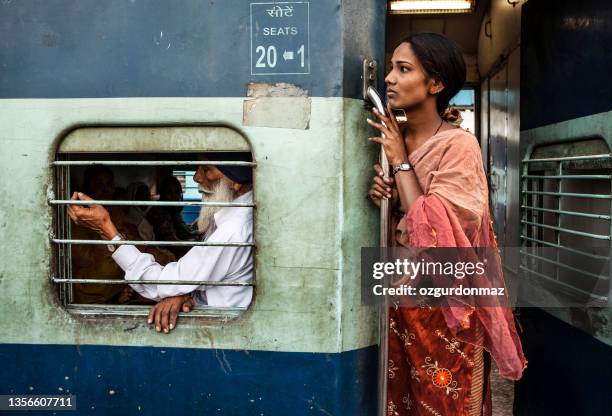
[
  {"x": 165, "y": 313},
  {"x": 94, "y": 217}
]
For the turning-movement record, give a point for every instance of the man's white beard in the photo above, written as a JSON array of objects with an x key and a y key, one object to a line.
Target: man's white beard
[{"x": 221, "y": 192}]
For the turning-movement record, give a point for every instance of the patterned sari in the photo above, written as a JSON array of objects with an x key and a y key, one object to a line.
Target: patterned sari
[{"x": 439, "y": 357}]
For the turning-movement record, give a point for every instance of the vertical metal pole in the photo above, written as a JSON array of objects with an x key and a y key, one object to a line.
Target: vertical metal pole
[
  {"x": 383, "y": 325},
  {"x": 610, "y": 256}
]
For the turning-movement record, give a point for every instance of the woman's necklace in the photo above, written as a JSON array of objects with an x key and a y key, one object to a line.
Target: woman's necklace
[
  {"x": 436, "y": 132},
  {"x": 439, "y": 127}
]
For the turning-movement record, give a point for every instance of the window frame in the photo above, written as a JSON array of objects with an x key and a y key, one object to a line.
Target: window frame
[
  {"x": 566, "y": 161},
  {"x": 114, "y": 142}
]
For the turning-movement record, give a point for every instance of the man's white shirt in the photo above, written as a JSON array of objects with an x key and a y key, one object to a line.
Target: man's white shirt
[{"x": 211, "y": 263}]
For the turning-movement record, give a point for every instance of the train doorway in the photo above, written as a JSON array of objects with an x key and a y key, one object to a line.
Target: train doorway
[{"x": 527, "y": 63}]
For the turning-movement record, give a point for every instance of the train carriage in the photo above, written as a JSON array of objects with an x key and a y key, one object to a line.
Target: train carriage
[{"x": 147, "y": 87}]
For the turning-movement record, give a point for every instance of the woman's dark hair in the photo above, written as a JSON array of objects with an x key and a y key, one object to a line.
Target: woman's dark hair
[{"x": 441, "y": 58}]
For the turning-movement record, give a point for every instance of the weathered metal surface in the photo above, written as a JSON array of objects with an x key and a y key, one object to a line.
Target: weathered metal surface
[
  {"x": 312, "y": 217},
  {"x": 193, "y": 381},
  {"x": 277, "y": 112},
  {"x": 596, "y": 321}
]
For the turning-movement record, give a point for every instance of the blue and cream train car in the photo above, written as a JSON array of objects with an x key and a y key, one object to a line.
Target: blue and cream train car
[
  {"x": 137, "y": 83},
  {"x": 156, "y": 80}
]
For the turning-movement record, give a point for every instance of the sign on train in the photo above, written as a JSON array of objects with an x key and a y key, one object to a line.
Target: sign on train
[{"x": 280, "y": 38}]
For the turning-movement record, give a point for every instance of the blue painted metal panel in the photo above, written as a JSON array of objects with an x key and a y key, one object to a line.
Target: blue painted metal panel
[
  {"x": 566, "y": 60},
  {"x": 569, "y": 372},
  {"x": 162, "y": 381},
  {"x": 156, "y": 48}
]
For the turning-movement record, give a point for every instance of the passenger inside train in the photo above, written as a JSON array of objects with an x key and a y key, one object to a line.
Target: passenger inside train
[
  {"x": 227, "y": 258},
  {"x": 94, "y": 261},
  {"x": 139, "y": 191},
  {"x": 168, "y": 223}
]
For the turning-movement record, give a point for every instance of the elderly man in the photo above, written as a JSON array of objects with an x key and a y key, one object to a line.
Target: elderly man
[{"x": 212, "y": 263}]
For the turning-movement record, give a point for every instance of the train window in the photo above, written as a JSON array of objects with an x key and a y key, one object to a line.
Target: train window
[
  {"x": 144, "y": 176},
  {"x": 566, "y": 207},
  {"x": 464, "y": 101}
]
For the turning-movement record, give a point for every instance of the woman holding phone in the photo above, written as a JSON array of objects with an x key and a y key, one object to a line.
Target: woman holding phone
[{"x": 439, "y": 357}]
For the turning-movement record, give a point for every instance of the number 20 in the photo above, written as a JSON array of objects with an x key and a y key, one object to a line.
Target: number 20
[{"x": 269, "y": 55}]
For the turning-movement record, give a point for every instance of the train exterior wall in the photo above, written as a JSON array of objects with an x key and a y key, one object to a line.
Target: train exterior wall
[{"x": 306, "y": 344}]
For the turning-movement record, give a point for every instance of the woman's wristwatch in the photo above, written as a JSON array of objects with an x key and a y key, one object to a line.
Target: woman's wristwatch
[{"x": 401, "y": 167}]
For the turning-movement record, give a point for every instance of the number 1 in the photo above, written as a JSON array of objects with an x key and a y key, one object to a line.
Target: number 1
[{"x": 301, "y": 53}]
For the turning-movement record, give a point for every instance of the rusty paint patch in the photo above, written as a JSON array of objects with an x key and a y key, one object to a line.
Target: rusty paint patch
[
  {"x": 280, "y": 89},
  {"x": 277, "y": 112}
]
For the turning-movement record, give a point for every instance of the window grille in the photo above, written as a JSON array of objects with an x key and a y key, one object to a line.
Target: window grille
[
  {"x": 62, "y": 241},
  {"x": 190, "y": 192},
  {"x": 566, "y": 207}
]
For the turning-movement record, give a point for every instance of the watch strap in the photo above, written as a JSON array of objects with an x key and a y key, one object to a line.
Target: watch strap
[
  {"x": 401, "y": 167},
  {"x": 113, "y": 247}
]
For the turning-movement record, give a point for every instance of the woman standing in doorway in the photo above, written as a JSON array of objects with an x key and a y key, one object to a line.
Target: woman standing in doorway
[{"x": 439, "y": 357}]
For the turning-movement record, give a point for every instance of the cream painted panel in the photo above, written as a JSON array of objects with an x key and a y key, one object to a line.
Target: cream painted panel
[{"x": 307, "y": 237}]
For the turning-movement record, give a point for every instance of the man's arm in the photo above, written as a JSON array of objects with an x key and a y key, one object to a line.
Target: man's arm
[{"x": 199, "y": 264}]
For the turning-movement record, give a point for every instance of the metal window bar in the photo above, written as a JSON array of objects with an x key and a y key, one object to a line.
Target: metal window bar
[
  {"x": 152, "y": 163},
  {"x": 600, "y": 300},
  {"x": 151, "y": 203},
  {"x": 561, "y": 247},
  {"x": 151, "y": 243},
  {"x": 563, "y": 265},
  {"x": 567, "y": 230},
  {"x": 154, "y": 282},
  {"x": 569, "y": 158},
  {"x": 573, "y": 213},
  {"x": 567, "y": 176},
  {"x": 60, "y": 239},
  {"x": 533, "y": 193},
  {"x": 570, "y": 195}
]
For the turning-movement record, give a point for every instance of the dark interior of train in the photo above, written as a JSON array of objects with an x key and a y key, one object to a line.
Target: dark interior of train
[
  {"x": 130, "y": 179},
  {"x": 136, "y": 222}
]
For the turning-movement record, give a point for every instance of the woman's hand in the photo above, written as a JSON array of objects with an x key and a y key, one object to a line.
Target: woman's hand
[
  {"x": 382, "y": 187},
  {"x": 393, "y": 142},
  {"x": 94, "y": 217}
]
